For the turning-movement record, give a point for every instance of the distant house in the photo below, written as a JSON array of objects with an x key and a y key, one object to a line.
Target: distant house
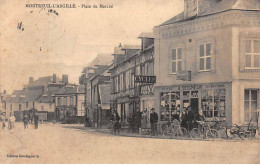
[
  {"x": 69, "y": 101},
  {"x": 100, "y": 99},
  {"x": 36, "y": 95},
  {"x": 96, "y": 80}
]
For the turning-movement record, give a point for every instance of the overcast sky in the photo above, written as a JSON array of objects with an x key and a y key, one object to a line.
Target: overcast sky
[{"x": 73, "y": 38}]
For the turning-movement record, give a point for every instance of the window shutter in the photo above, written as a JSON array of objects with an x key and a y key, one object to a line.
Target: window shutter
[
  {"x": 183, "y": 58},
  {"x": 214, "y": 57},
  {"x": 198, "y": 57}
]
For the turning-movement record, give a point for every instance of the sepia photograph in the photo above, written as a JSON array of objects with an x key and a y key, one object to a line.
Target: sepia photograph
[{"x": 129, "y": 81}]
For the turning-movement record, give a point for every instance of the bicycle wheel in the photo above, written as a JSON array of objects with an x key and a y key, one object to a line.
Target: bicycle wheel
[
  {"x": 212, "y": 134},
  {"x": 194, "y": 134},
  {"x": 165, "y": 132},
  {"x": 223, "y": 133},
  {"x": 182, "y": 133}
]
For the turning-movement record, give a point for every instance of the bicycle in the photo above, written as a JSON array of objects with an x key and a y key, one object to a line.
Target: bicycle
[
  {"x": 173, "y": 130},
  {"x": 239, "y": 131},
  {"x": 211, "y": 133}
]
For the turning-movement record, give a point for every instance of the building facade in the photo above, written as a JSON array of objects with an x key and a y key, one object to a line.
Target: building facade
[
  {"x": 96, "y": 81},
  {"x": 36, "y": 95},
  {"x": 69, "y": 101},
  {"x": 131, "y": 68},
  {"x": 207, "y": 57}
]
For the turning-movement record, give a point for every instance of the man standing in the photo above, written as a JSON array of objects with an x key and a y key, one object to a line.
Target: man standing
[
  {"x": 153, "y": 121},
  {"x": 25, "y": 121},
  {"x": 11, "y": 121},
  {"x": 138, "y": 120},
  {"x": 2, "y": 120},
  {"x": 36, "y": 119}
]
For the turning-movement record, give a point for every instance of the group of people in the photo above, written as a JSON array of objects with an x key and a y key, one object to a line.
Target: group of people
[
  {"x": 140, "y": 120},
  {"x": 137, "y": 120},
  {"x": 10, "y": 121},
  {"x": 189, "y": 119},
  {"x": 27, "y": 119}
]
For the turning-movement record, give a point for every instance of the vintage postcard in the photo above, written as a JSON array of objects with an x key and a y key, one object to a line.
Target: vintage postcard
[{"x": 129, "y": 81}]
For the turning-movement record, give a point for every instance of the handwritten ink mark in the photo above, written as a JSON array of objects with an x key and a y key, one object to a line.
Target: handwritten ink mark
[{"x": 20, "y": 26}]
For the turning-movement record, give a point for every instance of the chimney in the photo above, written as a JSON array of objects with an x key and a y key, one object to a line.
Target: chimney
[
  {"x": 65, "y": 79},
  {"x": 30, "y": 80},
  {"x": 54, "y": 80}
]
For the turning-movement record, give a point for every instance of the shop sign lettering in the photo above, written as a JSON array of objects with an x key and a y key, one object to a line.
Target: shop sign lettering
[
  {"x": 145, "y": 79},
  {"x": 193, "y": 87}
]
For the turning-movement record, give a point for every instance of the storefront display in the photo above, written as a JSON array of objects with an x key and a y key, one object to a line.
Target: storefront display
[{"x": 210, "y": 98}]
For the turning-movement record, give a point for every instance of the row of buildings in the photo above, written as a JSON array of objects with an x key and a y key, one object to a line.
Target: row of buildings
[
  {"x": 53, "y": 97},
  {"x": 207, "y": 57}
]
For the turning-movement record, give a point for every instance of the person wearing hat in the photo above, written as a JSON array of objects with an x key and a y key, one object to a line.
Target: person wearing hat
[
  {"x": 2, "y": 119},
  {"x": 153, "y": 121}
]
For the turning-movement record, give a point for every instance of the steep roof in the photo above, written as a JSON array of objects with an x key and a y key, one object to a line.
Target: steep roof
[
  {"x": 176, "y": 18},
  {"x": 101, "y": 59},
  {"x": 146, "y": 35},
  {"x": 26, "y": 95},
  {"x": 217, "y": 7},
  {"x": 47, "y": 96},
  {"x": 71, "y": 90}
]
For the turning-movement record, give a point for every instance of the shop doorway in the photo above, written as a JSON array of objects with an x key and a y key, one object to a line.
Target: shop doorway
[{"x": 194, "y": 104}]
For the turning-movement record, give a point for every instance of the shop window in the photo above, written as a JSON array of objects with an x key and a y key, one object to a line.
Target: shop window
[
  {"x": 176, "y": 60},
  {"x": 170, "y": 103},
  {"x": 250, "y": 105},
  {"x": 213, "y": 103},
  {"x": 205, "y": 56}
]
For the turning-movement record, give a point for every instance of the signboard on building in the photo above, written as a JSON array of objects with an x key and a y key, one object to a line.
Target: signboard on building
[
  {"x": 145, "y": 79},
  {"x": 184, "y": 76}
]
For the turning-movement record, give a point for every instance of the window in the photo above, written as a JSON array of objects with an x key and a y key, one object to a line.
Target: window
[
  {"x": 170, "y": 103},
  {"x": 59, "y": 101},
  {"x": 118, "y": 82},
  {"x": 65, "y": 101},
  {"x": 205, "y": 56},
  {"x": 252, "y": 54},
  {"x": 176, "y": 60},
  {"x": 42, "y": 108},
  {"x": 71, "y": 101},
  {"x": 27, "y": 105},
  {"x": 20, "y": 107},
  {"x": 250, "y": 105},
  {"x": 11, "y": 107},
  {"x": 124, "y": 81},
  {"x": 213, "y": 103}
]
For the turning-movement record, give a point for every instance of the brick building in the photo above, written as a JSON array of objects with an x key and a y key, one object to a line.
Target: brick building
[{"x": 208, "y": 57}]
